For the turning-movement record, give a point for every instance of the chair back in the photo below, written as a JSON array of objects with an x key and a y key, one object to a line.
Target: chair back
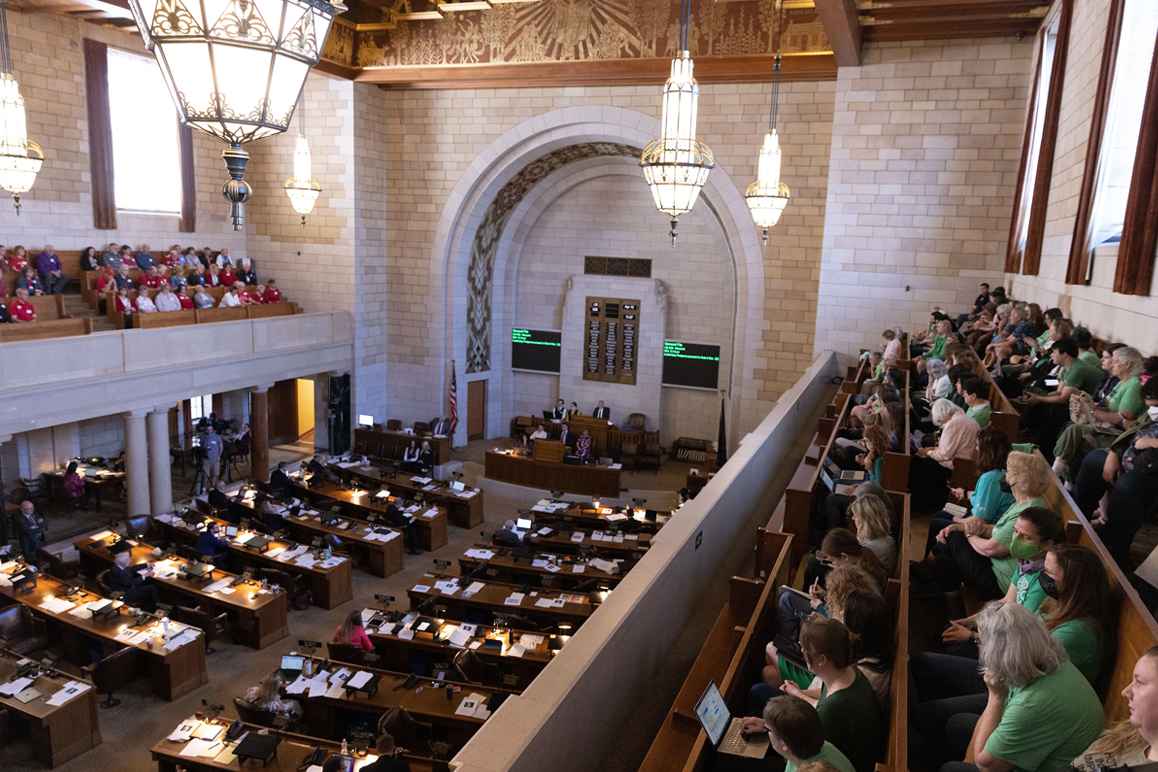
[
  {"x": 251, "y": 714},
  {"x": 212, "y": 625},
  {"x": 421, "y": 427},
  {"x": 637, "y": 421},
  {"x": 102, "y": 580},
  {"x": 347, "y": 652},
  {"x": 407, "y": 731},
  {"x": 13, "y": 624},
  {"x": 393, "y": 425},
  {"x": 115, "y": 670},
  {"x": 57, "y": 565}
]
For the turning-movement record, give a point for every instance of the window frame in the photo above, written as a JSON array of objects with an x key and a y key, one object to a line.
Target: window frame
[{"x": 1026, "y": 259}]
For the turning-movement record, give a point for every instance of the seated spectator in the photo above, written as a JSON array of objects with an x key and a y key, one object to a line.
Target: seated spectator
[
  {"x": 29, "y": 281},
  {"x": 195, "y": 276},
  {"x": 976, "y": 394},
  {"x": 126, "y": 306},
  {"x": 977, "y": 553},
  {"x": 106, "y": 281},
  {"x": 111, "y": 258},
  {"x": 796, "y": 732},
  {"x": 124, "y": 279},
  {"x": 1132, "y": 743},
  {"x": 1116, "y": 487},
  {"x": 1045, "y": 415},
  {"x": 152, "y": 278},
  {"x": 223, "y": 260},
  {"x": 186, "y": 299},
  {"x": 172, "y": 259},
  {"x": 166, "y": 300},
  {"x": 227, "y": 277},
  {"x": 145, "y": 259},
  {"x": 352, "y": 632},
  {"x": 943, "y": 336},
  {"x": 229, "y": 299},
  {"x": 213, "y": 276},
  {"x": 872, "y": 522},
  {"x": 247, "y": 296},
  {"x": 411, "y": 456},
  {"x": 1098, "y": 426},
  {"x": 5, "y": 315},
  {"x": 177, "y": 280},
  {"x": 17, "y": 259},
  {"x": 127, "y": 259},
  {"x": 930, "y": 467},
  {"x": 1085, "y": 342},
  {"x": 939, "y": 385},
  {"x": 989, "y": 498},
  {"x": 131, "y": 582},
  {"x": 426, "y": 456},
  {"x": 90, "y": 260},
  {"x": 267, "y": 696},
  {"x": 145, "y": 304},
  {"x": 20, "y": 309},
  {"x": 245, "y": 272},
  {"x": 1076, "y": 580},
  {"x": 51, "y": 274},
  {"x": 203, "y": 299},
  {"x": 272, "y": 294},
  {"x": 1040, "y": 711}
]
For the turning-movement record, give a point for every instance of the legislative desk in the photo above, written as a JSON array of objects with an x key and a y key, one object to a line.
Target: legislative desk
[
  {"x": 378, "y": 548},
  {"x": 607, "y": 439},
  {"x": 597, "y": 515},
  {"x": 292, "y": 752},
  {"x": 101, "y": 483},
  {"x": 413, "y": 635},
  {"x": 465, "y": 509},
  {"x": 174, "y": 671},
  {"x": 627, "y": 546},
  {"x": 534, "y": 609},
  {"x": 57, "y": 733},
  {"x": 429, "y": 521},
  {"x": 331, "y": 585},
  {"x": 513, "y": 466},
  {"x": 257, "y": 617},
  {"x": 540, "y": 569},
  {"x": 330, "y": 713},
  {"x": 391, "y": 444}
]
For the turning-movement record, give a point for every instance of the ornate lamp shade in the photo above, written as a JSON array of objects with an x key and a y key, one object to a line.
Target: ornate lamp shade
[
  {"x": 235, "y": 68},
  {"x": 677, "y": 165},
  {"x": 20, "y": 159},
  {"x": 767, "y": 197},
  {"x": 302, "y": 188}
]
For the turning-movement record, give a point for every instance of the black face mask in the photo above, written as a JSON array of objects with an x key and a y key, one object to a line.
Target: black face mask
[{"x": 1048, "y": 585}]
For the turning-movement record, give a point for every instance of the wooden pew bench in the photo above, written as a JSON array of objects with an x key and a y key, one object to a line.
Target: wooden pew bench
[{"x": 59, "y": 328}]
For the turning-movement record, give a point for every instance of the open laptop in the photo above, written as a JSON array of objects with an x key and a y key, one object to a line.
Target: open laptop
[
  {"x": 292, "y": 663},
  {"x": 723, "y": 730}
]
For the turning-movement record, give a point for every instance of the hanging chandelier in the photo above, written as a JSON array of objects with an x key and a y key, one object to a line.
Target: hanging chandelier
[
  {"x": 235, "y": 68},
  {"x": 768, "y": 196},
  {"x": 677, "y": 165},
  {"x": 302, "y": 188},
  {"x": 20, "y": 159}
]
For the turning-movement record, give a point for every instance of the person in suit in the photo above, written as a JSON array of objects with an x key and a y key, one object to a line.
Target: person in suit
[
  {"x": 440, "y": 427},
  {"x": 560, "y": 411},
  {"x": 566, "y": 437},
  {"x": 217, "y": 498},
  {"x": 211, "y": 546},
  {"x": 411, "y": 457},
  {"x": 279, "y": 481},
  {"x": 602, "y": 412},
  {"x": 426, "y": 457},
  {"x": 131, "y": 582},
  {"x": 31, "y": 528}
]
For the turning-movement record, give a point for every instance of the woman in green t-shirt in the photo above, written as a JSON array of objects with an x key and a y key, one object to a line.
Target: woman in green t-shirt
[{"x": 1075, "y": 579}]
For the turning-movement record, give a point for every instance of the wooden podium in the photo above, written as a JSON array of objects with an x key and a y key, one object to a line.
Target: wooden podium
[{"x": 550, "y": 450}]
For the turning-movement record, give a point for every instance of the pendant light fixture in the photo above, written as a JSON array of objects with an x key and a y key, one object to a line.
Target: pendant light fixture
[
  {"x": 768, "y": 196},
  {"x": 302, "y": 188},
  {"x": 20, "y": 159},
  {"x": 235, "y": 68},
  {"x": 677, "y": 165}
]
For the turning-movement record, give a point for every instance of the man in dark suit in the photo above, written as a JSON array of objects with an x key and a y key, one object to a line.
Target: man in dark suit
[
  {"x": 440, "y": 427},
  {"x": 127, "y": 579},
  {"x": 279, "y": 481},
  {"x": 560, "y": 411},
  {"x": 602, "y": 412},
  {"x": 566, "y": 436}
]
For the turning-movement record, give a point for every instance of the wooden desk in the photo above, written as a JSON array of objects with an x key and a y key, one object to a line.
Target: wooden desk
[
  {"x": 381, "y": 558},
  {"x": 331, "y": 587},
  {"x": 431, "y": 531},
  {"x": 256, "y": 620},
  {"x": 590, "y": 479},
  {"x": 391, "y": 444},
  {"x": 174, "y": 673},
  {"x": 606, "y": 439},
  {"x": 291, "y": 754},
  {"x": 489, "y": 602},
  {"x": 631, "y": 548},
  {"x": 595, "y": 515},
  {"x": 103, "y": 483},
  {"x": 57, "y": 733},
  {"x": 463, "y": 512},
  {"x": 505, "y": 566}
]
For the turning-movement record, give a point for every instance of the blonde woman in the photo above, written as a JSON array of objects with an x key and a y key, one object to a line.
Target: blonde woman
[
  {"x": 873, "y": 527},
  {"x": 1133, "y": 742}
]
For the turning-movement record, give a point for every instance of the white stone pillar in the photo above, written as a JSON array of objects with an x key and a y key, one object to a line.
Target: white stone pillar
[
  {"x": 137, "y": 463},
  {"x": 160, "y": 471}
]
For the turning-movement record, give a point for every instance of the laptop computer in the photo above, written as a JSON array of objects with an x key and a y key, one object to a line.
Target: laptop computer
[
  {"x": 725, "y": 731},
  {"x": 292, "y": 663}
]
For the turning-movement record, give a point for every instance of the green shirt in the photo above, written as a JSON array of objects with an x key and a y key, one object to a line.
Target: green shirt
[
  {"x": 1043, "y": 339},
  {"x": 853, "y": 723},
  {"x": 1127, "y": 397},
  {"x": 1084, "y": 376},
  {"x": 829, "y": 753},
  {"x": 937, "y": 351},
  {"x": 1003, "y": 568},
  {"x": 1090, "y": 358},
  {"x": 988, "y": 499},
  {"x": 980, "y": 413},
  {"x": 1030, "y": 596},
  {"x": 1048, "y": 723},
  {"x": 1080, "y": 639}
]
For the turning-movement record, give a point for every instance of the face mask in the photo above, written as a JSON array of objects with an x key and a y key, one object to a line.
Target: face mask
[
  {"x": 1153, "y": 412},
  {"x": 1021, "y": 549},
  {"x": 1048, "y": 585}
]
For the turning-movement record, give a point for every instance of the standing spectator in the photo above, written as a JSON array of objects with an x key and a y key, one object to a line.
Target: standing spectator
[
  {"x": 229, "y": 299},
  {"x": 272, "y": 294},
  {"x": 74, "y": 486},
  {"x": 145, "y": 259},
  {"x": 31, "y": 527},
  {"x": 167, "y": 301},
  {"x": 90, "y": 260},
  {"x": 28, "y": 280},
  {"x": 202, "y": 299},
  {"x": 21, "y": 309},
  {"x": 212, "y": 447},
  {"x": 245, "y": 271},
  {"x": 51, "y": 275}
]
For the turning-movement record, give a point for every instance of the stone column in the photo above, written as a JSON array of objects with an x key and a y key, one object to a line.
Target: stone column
[
  {"x": 160, "y": 462},
  {"x": 322, "y": 412},
  {"x": 137, "y": 463},
  {"x": 259, "y": 434}
]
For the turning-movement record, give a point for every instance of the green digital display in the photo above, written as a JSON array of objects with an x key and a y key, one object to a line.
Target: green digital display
[
  {"x": 691, "y": 364},
  {"x": 535, "y": 349}
]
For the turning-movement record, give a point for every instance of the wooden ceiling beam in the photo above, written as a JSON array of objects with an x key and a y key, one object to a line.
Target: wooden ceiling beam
[
  {"x": 842, "y": 26},
  {"x": 940, "y": 30}
]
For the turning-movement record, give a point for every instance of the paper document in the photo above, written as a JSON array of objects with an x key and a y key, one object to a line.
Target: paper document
[
  {"x": 11, "y": 688},
  {"x": 514, "y": 599},
  {"x": 57, "y": 605},
  {"x": 474, "y": 589},
  {"x": 201, "y": 749},
  {"x": 615, "y": 517},
  {"x": 220, "y": 584},
  {"x": 299, "y": 686},
  {"x": 606, "y": 566},
  {"x": 420, "y": 588},
  {"x": 101, "y": 536},
  {"x": 578, "y": 536},
  {"x": 67, "y": 692},
  {"x": 447, "y": 586},
  {"x": 516, "y": 651},
  {"x": 956, "y": 510},
  {"x": 359, "y": 679},
  {"x": 480, "y": 554},
  {"x": 460, "y": 638}
]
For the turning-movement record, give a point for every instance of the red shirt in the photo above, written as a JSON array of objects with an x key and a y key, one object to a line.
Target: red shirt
[
  {"x": 250, "y": 297},
  {"x": 22, "y": 310},
  {"x": 129, "y": 260},
  {"x": 272, "y": 295},
  {"x": 104, "y": 282},
  {"x": 186, "y": 302},
  {"x": 16, "y": 263},
  {"x": 123, "y": 305},
  {"x": 153, "y": 281},
  {"x": 171, "y": 260},
  {"x": 227, "y": 277}
]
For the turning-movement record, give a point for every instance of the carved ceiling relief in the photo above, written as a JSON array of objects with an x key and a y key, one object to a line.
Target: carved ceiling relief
[{"x": 584, "y": 30}]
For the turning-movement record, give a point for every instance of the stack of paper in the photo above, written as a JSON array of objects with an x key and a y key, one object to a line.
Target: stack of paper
[
  {"x": 447, "y": 586},
  {"x": 188, "y": 635},
  {"x": 460, "y": 637},
  {"x": 305, "y": 561},
  {"x": 473, "y": 705},
  {"x": 474, "y": 589},
  {"x": 221, "y": 584},
  {"x": 201, "y": 749},
  {"x": 57, "y": 605},
  {"x": 184, "y": 731},
  {"x": 606, "y": 566},
  {"x": 431, "y": 513},
  {"x": 359, "y": 679},
  {"x": 101, "y": 535},
  {"x": 421, "y": 480},
  {"x": 11, "y": 688},
  {"x": 330, "y": 562},
  {"x": 529, "y": 641},
  {"x": 466, "y": 494},
  {"x": 514, "y": 599},
  {"x": 615, "y": 517},
  {"x": 578, "y": 536},
  {"x": 479, "y": 554}
]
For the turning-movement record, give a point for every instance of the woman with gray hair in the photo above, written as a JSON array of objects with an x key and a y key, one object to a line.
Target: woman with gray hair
[
  {"x": 939, "y": 384},
  {"x": 1040, "y": 713},
  {"x": 930, "y": 468},
  {"x": 1096, "y": 429}
]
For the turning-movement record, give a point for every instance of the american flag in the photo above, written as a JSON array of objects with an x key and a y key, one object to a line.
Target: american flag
[{"x": 452, "y": 397}]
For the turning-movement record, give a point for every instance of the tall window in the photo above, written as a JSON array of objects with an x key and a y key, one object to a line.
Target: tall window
[
  {"x": 1028, "y": 222},
  {"x": 145, "y": 144},
  {"x": 200, "y": 407}
]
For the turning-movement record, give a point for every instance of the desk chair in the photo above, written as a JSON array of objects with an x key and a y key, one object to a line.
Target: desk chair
[
  {"x": 22, "y": 632},
  {"x": 650, "y": 453},
  {"x": 212, "y": 625},
  {"x": 56, "y": 564},
  {"x": 421, "y": 427},
  {"x": 251, "y": 714},
  {"x": 296, "y": 586},
  {"x": 393, "y": 425},
  {"x": 117, "y": 669},
  {"x": 637, "y": 422},
  {"x": 348, "y": 652},
  {"x": 102, "y": 582},
  {"x": 408, "y": 732}
]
